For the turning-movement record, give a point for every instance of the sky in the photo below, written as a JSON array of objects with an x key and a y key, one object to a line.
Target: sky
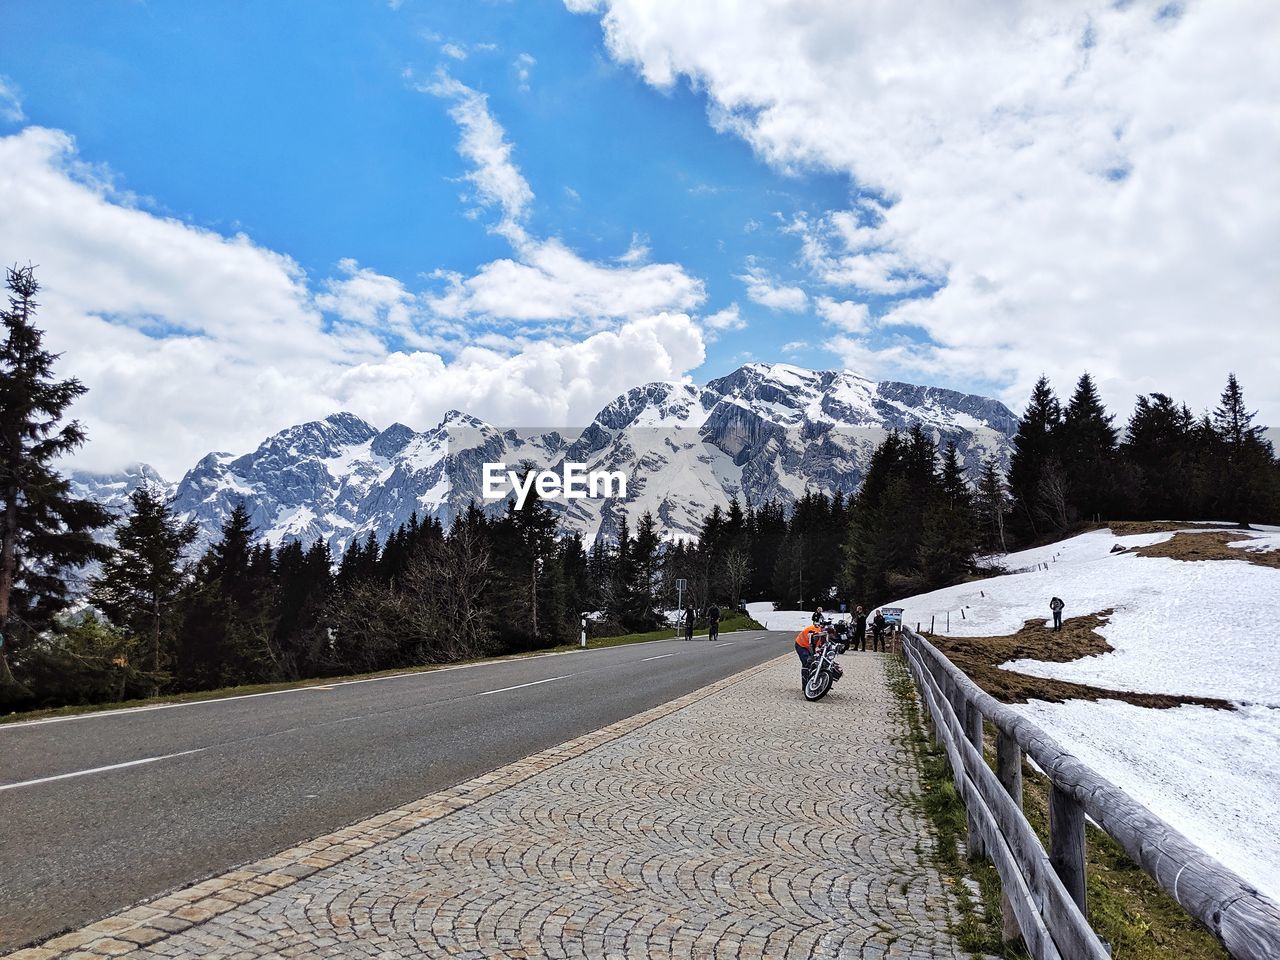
[{"x": 244, "y": 216}]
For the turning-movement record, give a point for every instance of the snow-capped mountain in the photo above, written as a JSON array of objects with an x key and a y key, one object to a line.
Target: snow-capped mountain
[
  {"x": 113, "y": 490},
  {"x": 765, "y": 431}
]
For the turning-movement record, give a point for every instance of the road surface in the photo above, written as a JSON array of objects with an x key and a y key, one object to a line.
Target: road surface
[{"x": 99, "y": 811}]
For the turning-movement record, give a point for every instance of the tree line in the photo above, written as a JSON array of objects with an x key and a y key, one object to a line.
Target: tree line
[{"x": 86, "y": 618}]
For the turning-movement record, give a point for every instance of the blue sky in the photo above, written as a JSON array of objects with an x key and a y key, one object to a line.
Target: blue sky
[
  {"x": 296, "y": 123},
  {"x": 523, "y": 208}
]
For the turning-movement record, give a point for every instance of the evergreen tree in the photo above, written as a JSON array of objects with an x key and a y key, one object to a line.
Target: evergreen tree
[
  {"x": 1246, "y": 462},
  {"x": 1035, "y": 458},
  {"x": 1087, "y": 453},
  {"x": 991, "y": 504},
  {"x": 45, "y": 532},
  {"x": 144, "y": 576},
  {"x": 1159, "y": 456}
]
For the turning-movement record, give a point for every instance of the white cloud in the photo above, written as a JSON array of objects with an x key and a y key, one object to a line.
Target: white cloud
[
  {"x": 545, "y": 281},
  {"x": 494, "y": 175},
  {"x": 845, "y": 315},
  {"x": 1092, "y": 184},
  {"x": 523, "y": 66},
  {"x": 638, "y": 251},
  {"x": 795, "y": 346},
  {"x": 766, "y": 291},
  {"x": 723, "y": 321},
  {"x": 454, "y": 51},
  {"x": 10, "y": 101},
  {"x": 190, "y": 340}
]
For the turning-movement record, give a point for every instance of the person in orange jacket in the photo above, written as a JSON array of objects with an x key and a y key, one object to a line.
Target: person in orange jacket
[{"x": 807, "y": 641}]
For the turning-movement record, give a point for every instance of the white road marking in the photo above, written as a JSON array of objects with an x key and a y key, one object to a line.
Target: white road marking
[
  {"x": 124, "y": 711},
  {"x": 663, "y": 657},
  {"x": 85, "y": 773},
  {"x": 727, "y": 643},
  {"x": 520, "y": 686}
]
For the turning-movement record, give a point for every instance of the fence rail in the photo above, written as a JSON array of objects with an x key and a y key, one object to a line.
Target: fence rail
[{"x": 1044, "y": 891}]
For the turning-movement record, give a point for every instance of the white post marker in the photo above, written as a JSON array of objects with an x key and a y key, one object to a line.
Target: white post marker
[{"x": 583, "y": 638}]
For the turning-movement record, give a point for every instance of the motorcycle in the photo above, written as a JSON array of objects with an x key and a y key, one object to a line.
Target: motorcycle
[{"x": 824, "y": 670}]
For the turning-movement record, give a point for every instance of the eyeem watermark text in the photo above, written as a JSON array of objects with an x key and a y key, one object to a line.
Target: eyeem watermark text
[{"x": 574, "y": 482}]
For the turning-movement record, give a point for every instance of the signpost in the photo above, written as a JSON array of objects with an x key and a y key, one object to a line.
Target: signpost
[{"x": 681, "y": 583}]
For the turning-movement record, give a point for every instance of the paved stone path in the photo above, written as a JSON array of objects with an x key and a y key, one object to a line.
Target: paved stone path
[{"x": 739, "y": 822}]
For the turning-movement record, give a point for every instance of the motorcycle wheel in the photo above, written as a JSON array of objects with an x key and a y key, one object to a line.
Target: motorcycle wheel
[{"x": 818, "y": 686}]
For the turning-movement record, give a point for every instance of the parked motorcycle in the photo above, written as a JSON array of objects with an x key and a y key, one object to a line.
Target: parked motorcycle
[{"x": 824, "y": 670}]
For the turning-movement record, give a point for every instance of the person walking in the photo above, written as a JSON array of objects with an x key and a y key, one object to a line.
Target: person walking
[
  {"x": 859, "y": 641},
  {"x": 878, "y": 624},
  {"x": 713, "y": 622},
  {"x": 1056, "y": 606},
  {"x": 688, "y": 622}
]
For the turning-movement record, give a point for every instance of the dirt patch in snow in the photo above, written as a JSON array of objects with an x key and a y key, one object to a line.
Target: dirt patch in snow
[
  {"x": 980, "y": 658},
  {"x": 1210, "y": 546},
  {"x": 1130, "y": 528}
]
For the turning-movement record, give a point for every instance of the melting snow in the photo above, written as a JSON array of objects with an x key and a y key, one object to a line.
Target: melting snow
[{"x": 1195, "y": 628}]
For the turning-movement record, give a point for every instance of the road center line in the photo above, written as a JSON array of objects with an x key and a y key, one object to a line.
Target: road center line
[
  {"x": 663, "y": 657},
  {"x": 520, "y": 686},
  {"x": 85, "y": 773}
]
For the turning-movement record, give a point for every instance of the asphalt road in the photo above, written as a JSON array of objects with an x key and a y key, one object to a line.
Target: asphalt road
[{"x": 102, "y": 810}]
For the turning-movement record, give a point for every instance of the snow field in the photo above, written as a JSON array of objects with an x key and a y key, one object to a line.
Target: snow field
[{"x": 1202, "y": 628}]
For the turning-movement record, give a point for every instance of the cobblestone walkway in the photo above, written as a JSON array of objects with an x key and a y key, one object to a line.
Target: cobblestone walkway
[{"x": 744, "y": 823}]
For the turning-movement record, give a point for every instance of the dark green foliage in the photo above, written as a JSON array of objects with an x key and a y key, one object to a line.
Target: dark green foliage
[
  {"x": 1035, "y": 466},
  {"x": 143, "y": 578},
  {"x": 45, "y": 533},
  {"x": 913, "y": 524},
  {"x": 1068, "y": 467}
]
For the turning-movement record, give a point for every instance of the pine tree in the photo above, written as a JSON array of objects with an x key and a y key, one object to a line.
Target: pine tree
[
  {"x": 44, "y": 531},
  {"x": 1034, "y": 455},
  {"x": 1246, "y": 466},
  {"x": 145, "y": 574},
  {"x": 1087, "y": 452},
  {"x": 992, "y": 505}
]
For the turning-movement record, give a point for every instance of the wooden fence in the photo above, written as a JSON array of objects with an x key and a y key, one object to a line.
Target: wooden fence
[{"x": 1044, "y": 891}]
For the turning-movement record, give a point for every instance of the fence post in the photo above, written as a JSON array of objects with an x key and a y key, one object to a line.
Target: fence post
[
  {"x": 1066, "y": 843},
  {"x": 973, "y": 730},
  {"x": 1009, "y": 773}
]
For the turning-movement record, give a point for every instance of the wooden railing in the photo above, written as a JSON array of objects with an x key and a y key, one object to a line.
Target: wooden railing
[{"x": 1044, "y": 891}]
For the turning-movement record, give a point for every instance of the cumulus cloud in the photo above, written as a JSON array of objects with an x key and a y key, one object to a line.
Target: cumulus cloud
[
  {"x": 847, "y": 316},
  {"x": 723, "y": 321},
  {"x": 190, "y": 340},
  {"x": 1040, "y": 187},
  {"x": 768, "y": 292}
]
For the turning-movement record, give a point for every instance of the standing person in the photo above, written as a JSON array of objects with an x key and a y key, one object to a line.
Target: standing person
[
  {"x": 1056, "y": 606},
  {"x": 859, "y": 629},
  {"x": 713, "y": 622},
  {"x": 817, "y": 615},
  {"x": 688, "y": 622},
  {"x": 878, "y": 624}
]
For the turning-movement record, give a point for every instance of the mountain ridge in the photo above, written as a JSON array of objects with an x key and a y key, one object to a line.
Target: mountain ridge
[{"x": 763, "y": 431}]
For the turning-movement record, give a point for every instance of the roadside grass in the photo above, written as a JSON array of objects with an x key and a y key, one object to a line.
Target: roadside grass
[
  {"x": 977, "y": 927},
  {"x": 729, "y": 625},
  {"x": 1126, "y": 907}
]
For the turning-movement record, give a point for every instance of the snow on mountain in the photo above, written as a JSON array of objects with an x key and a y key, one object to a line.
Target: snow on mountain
[
  {"x": 765, "y": 431},
  {"x": 1179, "y": 627},
  {"x": 113, "y": 490}
]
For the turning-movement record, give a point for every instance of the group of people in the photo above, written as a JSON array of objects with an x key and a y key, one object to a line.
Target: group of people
[
  {"x": 812, "y": 634},
  {"x": 713, "y": 622}
]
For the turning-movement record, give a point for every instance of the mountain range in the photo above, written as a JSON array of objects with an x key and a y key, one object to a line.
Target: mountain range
[{"x": 764, "y": 431}]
